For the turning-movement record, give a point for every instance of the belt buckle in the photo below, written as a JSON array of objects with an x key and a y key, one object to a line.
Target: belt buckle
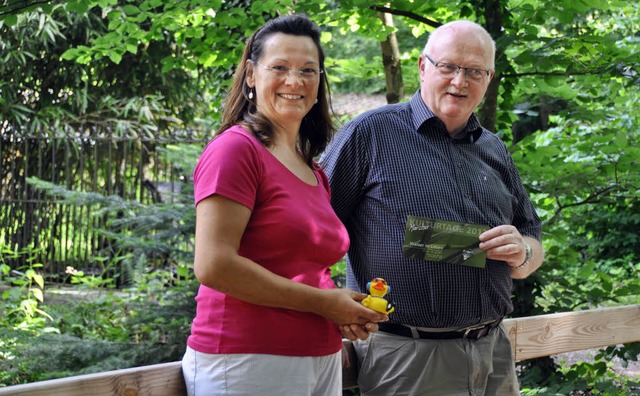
[{"x": 482, "y": 332}]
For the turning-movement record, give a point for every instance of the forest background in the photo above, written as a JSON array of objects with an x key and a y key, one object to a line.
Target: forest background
[{"x": 565, "y": 99}]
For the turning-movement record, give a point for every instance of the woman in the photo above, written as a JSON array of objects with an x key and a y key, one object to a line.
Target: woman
[{"x": 268, "y": 312}]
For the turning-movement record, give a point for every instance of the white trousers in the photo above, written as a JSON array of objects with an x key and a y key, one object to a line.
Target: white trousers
[{"x": 258, "y": 374}]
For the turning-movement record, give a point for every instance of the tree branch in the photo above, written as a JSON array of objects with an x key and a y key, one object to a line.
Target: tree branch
[
  {"x": 19, "y": 5},
  {"x": 407, "y": 14},
  {"x": 594, "y": 198},
  {"x": 558, "y": 74}
]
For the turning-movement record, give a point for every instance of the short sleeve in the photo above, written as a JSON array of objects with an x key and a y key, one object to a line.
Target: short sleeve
[{"x": 229, "y": 166}]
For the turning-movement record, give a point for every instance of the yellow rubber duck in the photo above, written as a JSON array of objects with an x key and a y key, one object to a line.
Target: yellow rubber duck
[{"x": 377, "y": 289}]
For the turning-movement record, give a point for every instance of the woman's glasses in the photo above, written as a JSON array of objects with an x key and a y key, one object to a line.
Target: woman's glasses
[{"x": 307, "y": 73}]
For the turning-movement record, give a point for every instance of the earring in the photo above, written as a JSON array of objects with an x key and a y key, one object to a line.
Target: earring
[
  {"x": 250, "y": 95},
  {"x": 315, "y": 101}
]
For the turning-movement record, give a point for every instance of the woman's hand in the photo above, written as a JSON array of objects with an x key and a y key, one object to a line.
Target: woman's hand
[{"x": 342, "y": 306}]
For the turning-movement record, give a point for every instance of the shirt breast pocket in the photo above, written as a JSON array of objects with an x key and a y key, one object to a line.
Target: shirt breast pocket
[{"x": 494, "y": 196}]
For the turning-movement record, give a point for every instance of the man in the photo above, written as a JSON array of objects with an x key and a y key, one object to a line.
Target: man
[{"x": 430, "y": 159}]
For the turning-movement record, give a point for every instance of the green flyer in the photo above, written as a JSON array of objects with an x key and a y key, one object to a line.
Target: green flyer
[{"x": 446, "y": 241}]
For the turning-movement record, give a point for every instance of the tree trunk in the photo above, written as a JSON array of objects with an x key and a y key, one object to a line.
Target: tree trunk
[
  {"x": 494, "y": 20},
  {"x": 391, "y": 62}
]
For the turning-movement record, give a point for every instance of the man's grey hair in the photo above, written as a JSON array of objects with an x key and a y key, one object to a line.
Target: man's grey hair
[{"x": 482, "y": 34}]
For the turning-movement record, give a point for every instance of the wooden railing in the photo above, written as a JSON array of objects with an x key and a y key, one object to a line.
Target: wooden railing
[{"x": 531, "y": 337}]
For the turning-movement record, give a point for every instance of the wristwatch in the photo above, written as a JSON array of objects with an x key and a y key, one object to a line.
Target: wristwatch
[{"x": 528, "y": 255}]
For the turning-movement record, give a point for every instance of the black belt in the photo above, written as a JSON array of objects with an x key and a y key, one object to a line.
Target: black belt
[{"x": 472, "y": 332}]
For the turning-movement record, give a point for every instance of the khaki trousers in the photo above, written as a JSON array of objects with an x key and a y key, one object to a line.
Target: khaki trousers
[{"x": 397, "y": 365}]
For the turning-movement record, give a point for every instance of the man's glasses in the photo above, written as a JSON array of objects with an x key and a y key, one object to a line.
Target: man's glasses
[
  {"x": 449, "y": 70},
  {"x": 307, "y": 73}
]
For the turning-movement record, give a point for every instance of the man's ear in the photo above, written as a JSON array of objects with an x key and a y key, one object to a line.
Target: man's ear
[{"x": 421, "y": 66}]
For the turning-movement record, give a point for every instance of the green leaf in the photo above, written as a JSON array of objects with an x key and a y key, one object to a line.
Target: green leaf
[
  {"x": 106, "y": 3},
  {"x": 76, "y": 6},
  {"x": 39, "y": 279},
  {"x": 131, "y": 9},
  {"x": 10, "y": 20},
  {"x": 37, "y": 293},
  {"x": 115, "y": 57}
]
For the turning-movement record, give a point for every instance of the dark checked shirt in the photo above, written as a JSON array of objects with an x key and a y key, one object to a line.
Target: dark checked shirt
[{"x": 399, "y": 161}]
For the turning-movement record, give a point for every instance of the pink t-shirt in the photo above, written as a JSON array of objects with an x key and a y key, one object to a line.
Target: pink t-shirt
[{"x": 293, "y": 231}]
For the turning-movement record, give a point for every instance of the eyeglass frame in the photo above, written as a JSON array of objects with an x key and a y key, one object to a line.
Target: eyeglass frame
[
  {"x": 286, "y": 72},
  {"x": 439, "y": 65}
]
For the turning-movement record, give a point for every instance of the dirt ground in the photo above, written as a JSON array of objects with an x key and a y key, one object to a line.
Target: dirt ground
[
  {"x": 354, "y": 104},
  {"x": 569, "y": 358}
]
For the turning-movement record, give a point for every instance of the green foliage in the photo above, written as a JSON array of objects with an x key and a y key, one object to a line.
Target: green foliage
[
  {"x": 371, "y": 78},
  {"x": 102, "y": 328},
  {"x": 582, "y": 170},
  {"x": 21, "y": 301},
  {"x": 583, "y": 175},
  {"x": 99, "y": 330},
  {"x": 581, "y": 378},
  {"x": 158, "y": 235},
  {"x": 51, "y": 81},
  {"x": 339, "y": 272},
  {"x": 362, "y": 71}
]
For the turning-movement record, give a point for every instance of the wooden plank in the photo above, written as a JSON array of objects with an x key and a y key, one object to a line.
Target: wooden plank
[
  {"x": 156, "y": 380},
  {"x": 546, "y": 335},
  {"x": 510, "y": 326}
]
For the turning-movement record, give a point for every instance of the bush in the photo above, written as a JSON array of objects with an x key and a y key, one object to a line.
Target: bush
[{"x": 99, "y": 330}]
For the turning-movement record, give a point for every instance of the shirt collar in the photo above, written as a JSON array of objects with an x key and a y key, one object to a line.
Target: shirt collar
[{"x": 423, "y": 116}]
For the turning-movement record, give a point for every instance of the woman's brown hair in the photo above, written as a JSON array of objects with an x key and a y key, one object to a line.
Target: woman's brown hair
[{"x": 317, "y": 126}]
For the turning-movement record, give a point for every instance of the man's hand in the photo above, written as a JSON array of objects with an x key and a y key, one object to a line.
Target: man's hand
[
  {"x": 505, "y": 243},
  {"x": 355, "y": 331}
]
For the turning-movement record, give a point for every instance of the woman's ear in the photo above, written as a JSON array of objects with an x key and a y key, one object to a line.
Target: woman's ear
[{"x": 250, "y": 79}]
